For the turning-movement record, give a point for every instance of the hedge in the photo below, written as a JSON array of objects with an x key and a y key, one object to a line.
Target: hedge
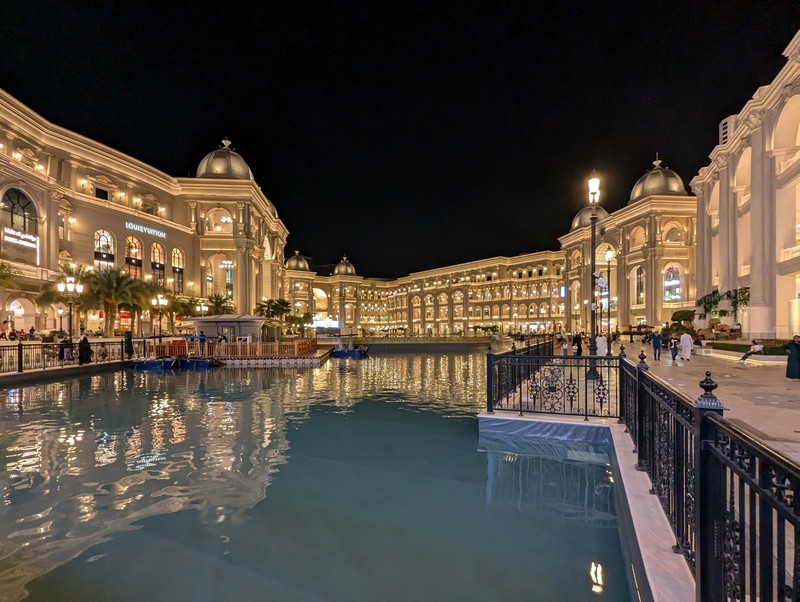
[{"x": 742, "y": 347}]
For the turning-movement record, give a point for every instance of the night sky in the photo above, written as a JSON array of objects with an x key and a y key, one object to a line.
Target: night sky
[{"x": 408, "y": 135}]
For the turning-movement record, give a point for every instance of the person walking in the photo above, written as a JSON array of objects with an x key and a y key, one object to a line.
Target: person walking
[
  {"x": 686, "y": 346},
  {"x": 793, "y": 361},
  {"x": 601, "y": 344},
  {"x": 673, "y": 347},
  {"x": 756, "y": 347},
  {"x": 577, "y": 344},
  {"x": 657, "y": 346}
]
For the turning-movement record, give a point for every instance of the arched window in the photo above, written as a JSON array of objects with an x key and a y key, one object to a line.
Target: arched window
[
  {"x": 104, "y": 247},
  {"x": 637, "y": 237},
  {"x": 674, "y": 235},
  {"x": 133, "y": 256},
  {"x": 219, "y": 221},
  {"x": 177, "y": 271},
  {"x": 157, "y": 258},
  {"x": 104, "y": 242},
  {"x": 672, "y": 285},
  {"x": 18, "y": 211}
]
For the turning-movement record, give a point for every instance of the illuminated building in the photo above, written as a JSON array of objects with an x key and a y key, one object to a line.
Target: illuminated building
[
  {"x": 66, "y": 198},
  {"x": 748, "y": 207}
]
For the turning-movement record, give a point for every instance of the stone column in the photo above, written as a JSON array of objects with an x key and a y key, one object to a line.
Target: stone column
[
  {"x": 242, "y": 292},
  {"x": 762, "y": 234},
  {"x": 193, "y": 223}
]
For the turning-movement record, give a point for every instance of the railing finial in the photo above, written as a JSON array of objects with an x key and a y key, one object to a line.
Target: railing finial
[
  {"x": 642, "y": 365},
  {"x": 708, "y": 399},
  {"x": 622, "y": 351}
]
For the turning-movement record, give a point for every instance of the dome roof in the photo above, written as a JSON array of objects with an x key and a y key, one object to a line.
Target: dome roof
[
  {"x": 659, "y": 180},
  {"x": 584, "y": 217},
  {"x": 224, "y": 163},
  {"x": 344, "y": 268},
  {"x": 297, "y": 262}
]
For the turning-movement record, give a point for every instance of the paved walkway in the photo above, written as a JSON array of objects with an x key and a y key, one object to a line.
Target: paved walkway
[{"x": 757, "y": 397}]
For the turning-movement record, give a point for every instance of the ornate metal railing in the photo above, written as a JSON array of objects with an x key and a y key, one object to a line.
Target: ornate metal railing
[
  {"x": 571, "y": 385},
  {"x": 754, "y": 506},
  {"x": 731, "y": 500}
]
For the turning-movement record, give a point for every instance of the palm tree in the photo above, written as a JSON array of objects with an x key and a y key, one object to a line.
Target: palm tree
[
  {"x": 219, "y": 304},
  {"x": 112, "y": 287},
  {"x": 8, "y": 275},
  {"x": 265, "y": 308},
  {"x": 140, "y": 301}
]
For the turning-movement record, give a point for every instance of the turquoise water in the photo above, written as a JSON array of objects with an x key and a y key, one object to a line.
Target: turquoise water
[{"x": 354, "y": 481}]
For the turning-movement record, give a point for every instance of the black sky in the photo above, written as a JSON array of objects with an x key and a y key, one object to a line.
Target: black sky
[{"x": 409, "y": 135}]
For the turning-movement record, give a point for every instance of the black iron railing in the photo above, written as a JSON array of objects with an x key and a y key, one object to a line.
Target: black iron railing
[
  {"x": 731, "y": 500},
  {"x": 24, "y": 357},
  {"x": 542, "y": 383}
]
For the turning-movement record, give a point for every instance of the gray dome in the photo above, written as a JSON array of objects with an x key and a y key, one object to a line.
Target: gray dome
[
  {"x": 297, "y": 262},
  {"x": 659, "y": 180},
  {"x": 344, "y": 268},
  {"x": 224, "y": 163},
  {"x": 584, "y": 217}
]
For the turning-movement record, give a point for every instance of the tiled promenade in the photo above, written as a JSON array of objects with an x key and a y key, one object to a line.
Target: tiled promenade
[{"x": 758, "y": 397}]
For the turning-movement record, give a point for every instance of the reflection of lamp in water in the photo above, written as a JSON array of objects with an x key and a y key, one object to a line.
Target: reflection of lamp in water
[{"x": 596, "y": 573}]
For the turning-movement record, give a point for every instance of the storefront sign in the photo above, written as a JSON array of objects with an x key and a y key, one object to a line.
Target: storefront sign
[
  {"x": 145, "y": 230},
  {"x": 20, "y": 239}
]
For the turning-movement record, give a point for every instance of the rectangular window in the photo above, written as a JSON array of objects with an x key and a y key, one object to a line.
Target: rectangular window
[
  {"x": 177, "y": 280},
  {"x": 229, "y": 283},
  {"x": 158, "y": 273},
  {"x": 101, "y": 193},
  {"x": 134, "y": 267},
  {"x": 62, "y": 226}
]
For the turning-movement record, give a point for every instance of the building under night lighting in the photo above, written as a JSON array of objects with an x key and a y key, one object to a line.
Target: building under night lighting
[{"x": 66, "y": 198}]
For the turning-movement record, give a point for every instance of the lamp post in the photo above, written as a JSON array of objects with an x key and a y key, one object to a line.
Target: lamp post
[
  {"x": 609, "y": 255},
  {"x": 60, "y": 320},
  {"x": 202, "y": 308},
  {"x": 159, "y": 303},
  {"x": 594, "y": 197},
  {"x": 71, "y": 290}
]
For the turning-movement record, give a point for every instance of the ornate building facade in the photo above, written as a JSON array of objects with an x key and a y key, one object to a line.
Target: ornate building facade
[
  {"x": 66, "y": 198},
  {"x": 748, "y": 206}
]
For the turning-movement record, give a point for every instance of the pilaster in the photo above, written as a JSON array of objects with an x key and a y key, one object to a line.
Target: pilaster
[{"x": 761, "y": 310}]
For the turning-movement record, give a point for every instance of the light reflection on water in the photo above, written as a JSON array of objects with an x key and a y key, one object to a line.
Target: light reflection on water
[{"x": 83, "y": 459}]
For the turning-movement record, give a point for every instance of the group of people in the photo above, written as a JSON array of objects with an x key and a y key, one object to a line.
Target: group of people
[
  {"x": 576, "y": 343},
  {"x": 677, "y": 345}
]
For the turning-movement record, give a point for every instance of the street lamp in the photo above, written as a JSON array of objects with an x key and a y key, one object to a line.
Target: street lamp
[
  {"x": 609, "y": 256},
  {"x": 60, "y": 320},
  {"x": 202, "y": 308},
  {"x": 71, "y": 290},
  {"x": 594, "y": 198},
  {"x": 159, "y": 303}
]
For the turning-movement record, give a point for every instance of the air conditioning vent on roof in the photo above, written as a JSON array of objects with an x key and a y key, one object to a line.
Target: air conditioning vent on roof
[{"x": 726, "y": 129}]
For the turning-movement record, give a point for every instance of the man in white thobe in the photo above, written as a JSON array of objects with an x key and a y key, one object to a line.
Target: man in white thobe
[
  {"x": 602, "y": 346},
  {"x": 686, "y": 346}
]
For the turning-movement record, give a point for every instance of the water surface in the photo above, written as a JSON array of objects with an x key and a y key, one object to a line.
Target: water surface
[{"x": 354, "y": 481}]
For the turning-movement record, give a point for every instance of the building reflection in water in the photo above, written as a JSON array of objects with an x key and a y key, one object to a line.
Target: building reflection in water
[{"x": 88, "y": 457}]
